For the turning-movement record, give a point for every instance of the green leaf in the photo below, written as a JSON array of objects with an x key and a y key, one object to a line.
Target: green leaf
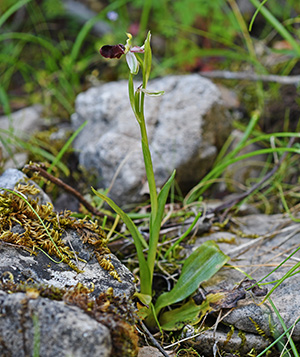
[
  {"x": 4, "y": 101},
  {"x": 156, "y": 221},
  {"x": 12, "y": 10},
  {"x": 147, "y": 60},
  {"x": 277, "y": 26},
  {"x": 139, "y": 242},
  {"x": 144, "y": 299},
  {"x": 175, "y": 319},
  {"x": 65, "y": 147},
  {"x": 200, "y": 266},
  {"x": 137, "y": 106},
  {"x": 189, "y": 313}
]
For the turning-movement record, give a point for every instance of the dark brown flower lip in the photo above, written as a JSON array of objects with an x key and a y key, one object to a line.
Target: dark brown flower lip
[{"x": 115, "y": 51}]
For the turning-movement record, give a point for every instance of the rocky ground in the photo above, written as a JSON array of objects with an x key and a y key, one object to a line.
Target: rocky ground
[{"x": 82, "y": 306}]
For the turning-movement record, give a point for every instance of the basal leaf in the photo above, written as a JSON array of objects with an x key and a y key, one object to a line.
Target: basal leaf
[
  {"x": 201, "y": 265},
  {"x": 189, "y": 313},
  {"x": 144, "y": 299}
]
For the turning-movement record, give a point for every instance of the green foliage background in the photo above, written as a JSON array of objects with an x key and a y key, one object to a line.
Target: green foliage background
[{"x": 39, "y": 61}]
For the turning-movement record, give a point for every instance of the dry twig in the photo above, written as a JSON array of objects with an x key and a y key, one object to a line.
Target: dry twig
[
  {"x": 66, "y": 187},
  {"x": 252, "y": 77}
]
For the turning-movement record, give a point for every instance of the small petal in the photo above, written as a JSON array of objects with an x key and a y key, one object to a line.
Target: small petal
[
  {"x": 132, "y": 63},
  {"x": 137, "y": 49},
  {"x": 115, "y": 51}
]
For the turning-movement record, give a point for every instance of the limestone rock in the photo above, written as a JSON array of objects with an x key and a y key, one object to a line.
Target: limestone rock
[
  {"x": 210, "y": 340},
  {"x": 186, "y": 127},
  {"x": 258, "y": 244},
  {"x": 11, "y": 177},
  {"x": 32, "y": 324},
  {"x": 20, "y": 125},
  {"x": 48, "y": 328},
  {"x": 40, "y": 269},
  {"x": 148, "y": 351},
  {"x": 24, "y": 265}
]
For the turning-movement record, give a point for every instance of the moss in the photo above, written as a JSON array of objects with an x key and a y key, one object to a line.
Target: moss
[
  {"x": 229, "y": 335},
  {"x": 116, "y": 313},
  {"x": 242, "y": 336},
  {"x": 33, "y": 227}
]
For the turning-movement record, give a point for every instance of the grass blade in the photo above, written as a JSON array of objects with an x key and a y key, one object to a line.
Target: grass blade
[
  {"x": 65, "y": 147},
  {"x": 197, "y": 191},
  {"x": 291, "y": 342},
  {"x": 139, "y": 242},
  {"x": 277, "y": 26},
  {"x": 12, "y": 10}
]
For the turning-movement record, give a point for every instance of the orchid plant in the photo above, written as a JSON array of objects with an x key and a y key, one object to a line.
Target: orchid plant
[{"x": 204, "y": 261}]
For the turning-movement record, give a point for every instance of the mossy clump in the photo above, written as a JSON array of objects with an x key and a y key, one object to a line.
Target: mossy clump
[
  {"x": 116, "y": 313},
  {"x": 33, "y": 226}
]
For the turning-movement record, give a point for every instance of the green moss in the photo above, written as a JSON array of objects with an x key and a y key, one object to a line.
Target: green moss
[
  {"x": 229, "y": 335},
  {"x": 41, "y": 228},
  {"x": 242, "y": 336}
]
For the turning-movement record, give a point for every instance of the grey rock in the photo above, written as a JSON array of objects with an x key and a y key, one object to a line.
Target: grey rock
[
  {"x": 186, "y": 127},
  {"x": 60, "y": 330},
  {"x": 23, "y": 120},
  {"x": 11, "y": 177},
  {"x": 277, "y": 237},
  {"x": 39, "y": 269},
  {"x": 244, "y": 343},
  {"x": 49, "y": 328},
  {"x": 19, "y": 125},
  {"x": 148, "y": 351}
]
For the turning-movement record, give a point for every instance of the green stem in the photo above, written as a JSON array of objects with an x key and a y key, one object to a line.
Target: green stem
[
  {"x": 148, "y": 166},
  {"x": 153, "y": 193}
]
